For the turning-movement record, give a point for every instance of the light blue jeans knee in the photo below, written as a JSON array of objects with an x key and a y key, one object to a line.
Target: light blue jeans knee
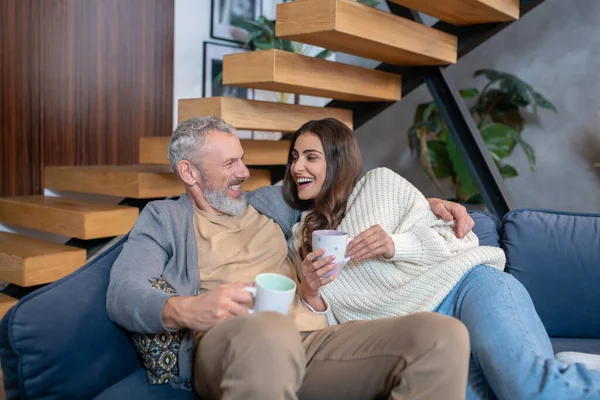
[{"x": 511, "y": 353}]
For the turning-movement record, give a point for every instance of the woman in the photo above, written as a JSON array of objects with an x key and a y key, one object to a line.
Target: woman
[{"x": 405, "y": 260}]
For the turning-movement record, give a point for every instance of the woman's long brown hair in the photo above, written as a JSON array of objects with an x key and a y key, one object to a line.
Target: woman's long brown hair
[{"x": 344, "y": 168}]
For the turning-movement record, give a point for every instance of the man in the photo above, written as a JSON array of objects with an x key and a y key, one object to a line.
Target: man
[{"x": 210, "y": 243}]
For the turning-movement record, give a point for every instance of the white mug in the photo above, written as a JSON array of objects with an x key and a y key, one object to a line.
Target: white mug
[
  {"x": 272, "y": 292},
  {"x": 335, "y": 243}
]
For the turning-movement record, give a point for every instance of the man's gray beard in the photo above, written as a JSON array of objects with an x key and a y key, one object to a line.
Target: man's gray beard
[{"x": 219, "y": 200}]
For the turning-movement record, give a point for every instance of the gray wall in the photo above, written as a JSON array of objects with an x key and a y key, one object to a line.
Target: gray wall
[{"x": 556, "y": 48}]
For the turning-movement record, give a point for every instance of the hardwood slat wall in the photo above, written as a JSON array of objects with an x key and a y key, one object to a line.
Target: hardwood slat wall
[
  {"x": 20, "y": 128},
  {"x": 80, "y": 82}
]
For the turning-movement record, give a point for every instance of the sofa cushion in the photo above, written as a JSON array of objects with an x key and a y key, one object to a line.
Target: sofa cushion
[
  {"x": 58, "y": 341},
  {"x": 581, "y": 345},
  {"x": 556, "y": 255},
  {"x": 136, "y": 386},
  {"x": 487, "y": 228}
]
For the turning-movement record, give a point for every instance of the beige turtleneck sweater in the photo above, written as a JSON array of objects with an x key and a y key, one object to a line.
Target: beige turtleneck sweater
[{"x": 234, "y": 249}]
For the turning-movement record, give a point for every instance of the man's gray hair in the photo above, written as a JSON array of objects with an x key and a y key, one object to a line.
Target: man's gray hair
[{"x": 188, "y": 139}]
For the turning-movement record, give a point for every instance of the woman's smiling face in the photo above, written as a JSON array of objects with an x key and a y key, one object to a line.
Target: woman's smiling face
[{"x": 309, "y": 166}]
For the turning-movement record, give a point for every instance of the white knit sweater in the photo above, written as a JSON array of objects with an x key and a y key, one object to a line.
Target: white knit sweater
[{"x": 429, "y": 259}]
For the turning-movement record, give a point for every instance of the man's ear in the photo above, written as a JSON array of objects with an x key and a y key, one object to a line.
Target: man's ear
[{"x": 188, "y": 174}]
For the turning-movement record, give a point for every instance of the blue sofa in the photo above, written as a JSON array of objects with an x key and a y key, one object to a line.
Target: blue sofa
[{"x": 58, "y": 342}]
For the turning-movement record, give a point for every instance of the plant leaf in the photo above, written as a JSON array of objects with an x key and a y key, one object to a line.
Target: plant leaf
[
  {"x": 468, "y": 93},
  {"x": 490, "y": 74},
  {"x": 266, "y": 25},
  {"x": 509, "y": 115},
  {"x": 499, "y": 138},
  {"x": 262, "y": 44},
  {"x": 424, "y": 156},
  {"x": 413, "y": 141},
  {"x": 527, "y": 149},
  {"x": 251, "y": 38},
  {"x": 430, "y": 126},
  {"x": 494, "y": 156},
  {"x": 543, "y": 102},
  {"x": 287, "y": 45},
  {"x": 439, "y": 159},
  {"x": 516, "y": 90},
  {"x": 218, "y": 80},
  {"x": 247, "y": 24},
  {"x": 323, "y": 53},
  {"x": 418, "y": 129},
  {"x": 419, "y": 112},
  {"x": 475, "y": 199},
  {"x": 428, "y": 110},
  {"x": 443, "y": 135},
  {"x": 500, "y": 97},
  {"x": 465, "y": 185},
  {"x": 263, "y": 25},
  {"x": 508, "y": 171}
]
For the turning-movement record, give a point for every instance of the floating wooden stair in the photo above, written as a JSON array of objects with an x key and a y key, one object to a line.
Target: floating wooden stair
[
  {"x": 351, "y": 27},
  {"x": 259, "y": 115},
  {"x": 294, "y": 73},
  {"x": 466, "y": 12},
  {"x": 6, "y": 303},
  {"x": 26, "y": 261},
  {"x": 153, "y": 150},
  {"x": 78, "y": 219},
  {"x": 258, "y": 178},
  {"x": 135, "y": 181}
]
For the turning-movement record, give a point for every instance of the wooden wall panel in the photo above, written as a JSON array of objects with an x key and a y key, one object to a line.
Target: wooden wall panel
[
  {"x": 99, "y": 76},
  {"x": 20, "y": 125}
]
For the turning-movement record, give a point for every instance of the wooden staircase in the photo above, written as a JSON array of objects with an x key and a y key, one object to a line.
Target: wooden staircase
[
  {"x": 351, "y": 27},
  {"x": 342, "y": 25}
]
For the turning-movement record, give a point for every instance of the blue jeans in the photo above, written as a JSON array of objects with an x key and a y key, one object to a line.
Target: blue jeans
[{"x": 511, "y": 354}]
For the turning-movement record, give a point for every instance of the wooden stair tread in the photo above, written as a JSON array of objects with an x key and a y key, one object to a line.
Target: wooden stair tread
[
  {"x": 258, "y": 179},
  {"x": 153, "y": 150},
  {"x": 134, "y": 181},
  {"x": 258, "y": 115},
  {"x": 6, "y": 303},
  {"x": 283, "y": 71},
  {"x": 79, "y": 219},
  {"x": 466, "y": 12},
  {"x": 27, "y": 261},
  {"x": 353, "y": 28}
]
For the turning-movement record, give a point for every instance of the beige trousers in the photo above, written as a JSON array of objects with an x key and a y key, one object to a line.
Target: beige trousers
[{"x": 263, "y": 357}]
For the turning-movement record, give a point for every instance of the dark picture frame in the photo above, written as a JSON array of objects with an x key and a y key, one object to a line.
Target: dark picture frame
[
  {"x": 223, "y": 12},
  {"x": 213, "y": 65}
]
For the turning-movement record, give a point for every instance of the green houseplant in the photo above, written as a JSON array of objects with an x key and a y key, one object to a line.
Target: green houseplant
[{"x": 497, "y": 111}]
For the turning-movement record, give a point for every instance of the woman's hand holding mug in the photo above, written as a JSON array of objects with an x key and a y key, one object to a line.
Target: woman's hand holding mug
[
  {"x": 313, "y": 271},
  {"x": 371, "y": 243}
]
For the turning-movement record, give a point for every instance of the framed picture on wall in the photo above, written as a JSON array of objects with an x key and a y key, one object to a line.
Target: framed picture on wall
[
  {"x": 213, "y": 67},
  {"x": 224, "y": 12}
]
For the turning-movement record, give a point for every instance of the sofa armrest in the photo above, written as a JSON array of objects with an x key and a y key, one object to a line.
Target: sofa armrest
[
  {"x": 487, "y": 228},
  {"x": 58, "y": 341},
  {"x": 556, "y": 255}
]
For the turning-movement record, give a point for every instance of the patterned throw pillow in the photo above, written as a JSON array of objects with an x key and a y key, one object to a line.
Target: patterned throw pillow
[{"x": 159, "y": 351}]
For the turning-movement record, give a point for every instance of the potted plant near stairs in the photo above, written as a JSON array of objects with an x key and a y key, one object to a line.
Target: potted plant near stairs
[{"x": 497, "y": 111}]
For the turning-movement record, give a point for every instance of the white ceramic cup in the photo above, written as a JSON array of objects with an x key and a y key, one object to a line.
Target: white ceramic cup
[
  {"x": 272, "y": 292},
  {"x": 335, "y": 243}
]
